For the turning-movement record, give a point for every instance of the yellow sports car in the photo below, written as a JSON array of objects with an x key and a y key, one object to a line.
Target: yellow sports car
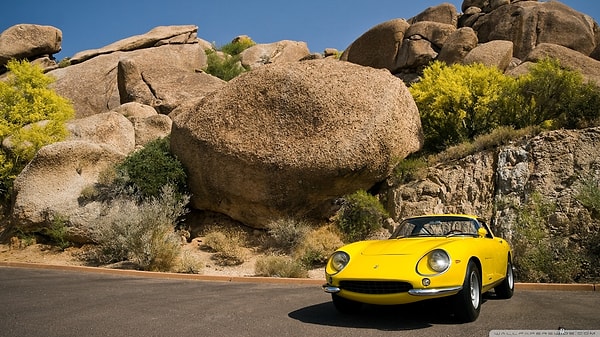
[{"x": 426, "y": 257}]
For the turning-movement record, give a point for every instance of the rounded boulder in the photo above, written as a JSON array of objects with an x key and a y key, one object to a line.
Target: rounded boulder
[{"x": 289, "y": 139}]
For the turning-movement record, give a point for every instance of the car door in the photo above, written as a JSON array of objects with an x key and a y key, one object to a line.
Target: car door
[{"x": 496, "y": 249}]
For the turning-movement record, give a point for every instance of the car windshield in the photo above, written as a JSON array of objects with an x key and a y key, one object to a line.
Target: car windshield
[{"x": 436, "y": 226}]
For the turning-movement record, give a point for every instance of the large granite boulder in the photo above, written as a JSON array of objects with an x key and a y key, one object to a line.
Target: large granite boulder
[
  {"x": 458, "y": 45},
  {"x": 150, "y": 82},
  {"x": 444, "y": 13},
  {"x": 109, "y": 128},
  {"x": 281, "y": 51},
  {"x": 529, "y": 23},
  {"x": 156, "y": 37},
  {"x": 148, "y": 124},
  {"x": 27, "y": 41},
  {"x": 51, "y": 184},
  {"x": 93, "y": 85},
  {"x": 289, "y": 139},
  {"x": 422, "y": 44},
  {"x": 496, "y": 53},
  {"x": 379, "y": 46}
]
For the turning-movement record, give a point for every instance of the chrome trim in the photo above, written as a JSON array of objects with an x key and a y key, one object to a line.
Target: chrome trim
[
  {"x": 331, "y": 289},
  {"x": 434, "y": 291}
]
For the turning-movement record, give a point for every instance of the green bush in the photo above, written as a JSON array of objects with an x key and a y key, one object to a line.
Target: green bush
[
  {"x": 361, "y": 215},
  {"x": 141, "y": 232},
  {"x": 225, "y": 67},
  {"x": 549, "y": 95},
  {"x": 146, "y": 171},
  {"x": 27, "y": 100},
  {"x": 457, "y": 102}
]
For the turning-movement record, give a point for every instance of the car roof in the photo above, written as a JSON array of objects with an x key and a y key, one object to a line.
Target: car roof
[{"x": 474, "y": 217}]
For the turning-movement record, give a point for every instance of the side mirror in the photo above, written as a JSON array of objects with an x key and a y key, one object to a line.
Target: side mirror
[{"x": 482, "y": 232}]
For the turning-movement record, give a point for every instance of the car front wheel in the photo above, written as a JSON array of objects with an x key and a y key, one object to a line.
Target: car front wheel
[
  {"x": 467, "y": 302},
  {"x": 345, "y": 305},
  {"x": 506, "y": 289}
]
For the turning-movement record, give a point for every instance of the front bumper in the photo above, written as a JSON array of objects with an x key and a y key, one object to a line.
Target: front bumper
[
  {"x": 416, "y": 292},
  {"x": 435, "y": 291},
  {"x": 410, "y": 296}
]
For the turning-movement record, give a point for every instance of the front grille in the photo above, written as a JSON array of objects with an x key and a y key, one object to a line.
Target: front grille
[{"x": 376, "y": 287}]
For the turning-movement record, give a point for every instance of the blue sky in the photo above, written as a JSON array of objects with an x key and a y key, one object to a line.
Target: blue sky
[{"x": 91, "y": 24}]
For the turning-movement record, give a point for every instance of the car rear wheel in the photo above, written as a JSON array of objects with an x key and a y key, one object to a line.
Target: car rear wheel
[
  {"x": 467, "y": 302},
  {"x": 506, "y": 289},
  {"x": 345, "y": 305}
]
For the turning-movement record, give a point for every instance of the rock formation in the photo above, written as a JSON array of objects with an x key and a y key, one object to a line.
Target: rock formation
[
  {"x": 291, "y": 136},
  {"x": 405, "y": 47},
  {"x": 288, "y": 139},
  {"x": 28, "y": 41}
]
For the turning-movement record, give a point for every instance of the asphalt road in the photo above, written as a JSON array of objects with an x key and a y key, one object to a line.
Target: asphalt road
[{"x": 35, "y": 302}]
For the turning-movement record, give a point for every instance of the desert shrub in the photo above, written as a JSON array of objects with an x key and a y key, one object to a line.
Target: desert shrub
[
  {"x": 57, "y": 231},
  {"x": 27, "y": 100},
  {"x": 226, "y": 65},
  {"x": 589, "y": 195},
  {"x": 361, "y": 214},
  {"x": 287, "y": 233},
  {"x": 538, "y": 256},
  {"x": 457, "y": 102},
  {"x": 279, "y": 266},
  {"x": 502, "y": 135},
  {"x": 189, "y": 264},
  {"x": 317, "y": 246},
  {"x": 238, "y": 45},
  {"x": 228, "y": 246},
  {"x": 64, "y": 62},
  {"x": 410, "y": 169},
  {"x": 549, "y": 95},
  {"x": 584, "y": 108},
  {"x": 142, "y": 232},
  {"x": 146, "y": 171},
  {"x": 223, "y": 66}
]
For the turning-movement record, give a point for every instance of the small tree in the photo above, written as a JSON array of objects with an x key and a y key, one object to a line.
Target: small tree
[
  {"x": 31, "y": 114},
  {"x": 227, "y": 65}
]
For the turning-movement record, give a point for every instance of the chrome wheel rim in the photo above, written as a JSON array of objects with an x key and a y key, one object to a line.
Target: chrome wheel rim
[
  {"x": 510, "y": 277},
  {"x": 475, "y": 292}
]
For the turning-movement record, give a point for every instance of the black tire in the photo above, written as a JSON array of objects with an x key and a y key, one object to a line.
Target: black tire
[
  {"x": 506, "y": 289},
  {"x": 467, "y": 303},
  {"x": 345, "y": 305}
]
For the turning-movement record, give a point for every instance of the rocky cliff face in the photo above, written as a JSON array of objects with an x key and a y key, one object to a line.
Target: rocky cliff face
[
  {"x": 496, "y": 183},
  {"x": 552, "y": 168}
]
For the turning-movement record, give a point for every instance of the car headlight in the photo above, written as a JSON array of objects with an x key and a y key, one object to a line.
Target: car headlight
[
  {"x": 438, "y": 260},
  {"x": 339, "y": 260}
]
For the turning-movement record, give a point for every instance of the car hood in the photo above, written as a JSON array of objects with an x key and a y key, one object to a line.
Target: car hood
[{"x": 404, "y": 246}]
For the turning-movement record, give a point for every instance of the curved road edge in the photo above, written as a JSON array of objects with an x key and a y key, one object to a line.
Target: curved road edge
[{"x": 257, "y": 279}]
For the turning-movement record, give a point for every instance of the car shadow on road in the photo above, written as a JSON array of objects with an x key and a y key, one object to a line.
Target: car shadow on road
[{"x": 387, "y": 318}]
